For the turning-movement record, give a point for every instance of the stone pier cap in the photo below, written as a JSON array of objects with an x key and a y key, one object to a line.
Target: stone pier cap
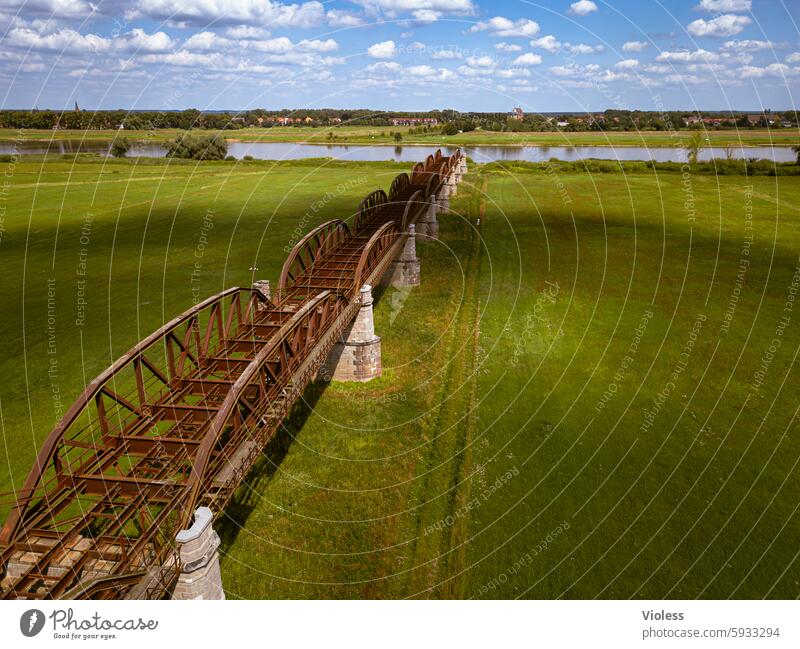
[{"x": 202, "y": 519}]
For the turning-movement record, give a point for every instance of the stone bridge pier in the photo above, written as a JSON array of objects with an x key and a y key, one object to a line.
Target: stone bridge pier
[
  {"x": 199, "y": 576},
  {"x": 427, "y": 225},
  {"x": 356, "y": 356},
  {"x": 404, "y": 271},
  {"x": 263, "y": 286}
]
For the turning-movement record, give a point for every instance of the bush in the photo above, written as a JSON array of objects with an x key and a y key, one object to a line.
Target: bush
[
  {"x": 248, "y": 158},
  {"x": 398, "y": 137},
  {"x": 693, "y": 146},
  {"x": 197, "y": 147},
  {"x": 119, "y": 147}
]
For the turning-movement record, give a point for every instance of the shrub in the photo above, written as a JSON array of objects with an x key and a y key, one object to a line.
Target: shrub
[
  {"x": 198, "y": 147},
  {"x": 693, "y": 146},
  {"x": 119, "y": 147}
]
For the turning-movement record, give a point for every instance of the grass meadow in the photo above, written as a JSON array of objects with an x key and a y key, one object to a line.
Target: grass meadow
[
  {"x": 385, "y": 135},
  {"x": 593, "y": 393}
]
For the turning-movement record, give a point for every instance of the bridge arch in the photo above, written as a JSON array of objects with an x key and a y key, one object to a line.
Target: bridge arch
[
  {"x": 374, "y": 251},
  {"x": 415, "y": 204},
  {"x": 309, "y": 249},
  {"x": 399, "y": 186},
  {"x": 370, "y": 207}
]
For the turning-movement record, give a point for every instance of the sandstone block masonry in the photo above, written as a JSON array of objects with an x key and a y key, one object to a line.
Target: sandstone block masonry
[
  {"x": 404, "y": 271},
  {"x": 199, "y": 577},
  {"x": 263, "y": 286},
  {"x": 427, "y": 225},
  {"x": 357, "y": 355}
]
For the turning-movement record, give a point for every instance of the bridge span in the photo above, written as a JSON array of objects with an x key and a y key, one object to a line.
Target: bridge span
[{"x": 174, "y": 425}]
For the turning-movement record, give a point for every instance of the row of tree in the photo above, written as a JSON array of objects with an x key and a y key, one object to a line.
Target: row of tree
[{"x": 450, "y": 120}]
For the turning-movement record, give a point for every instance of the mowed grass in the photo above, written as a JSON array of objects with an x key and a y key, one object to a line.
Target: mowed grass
[
  {"x": 517, "y": 445},
  {"x": 385, "y": 135}
]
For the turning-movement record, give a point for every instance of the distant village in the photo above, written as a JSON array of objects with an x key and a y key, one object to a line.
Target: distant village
[{"x": 445, "y": 121}]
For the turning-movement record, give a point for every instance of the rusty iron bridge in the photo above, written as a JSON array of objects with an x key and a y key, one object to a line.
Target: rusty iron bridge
[{"x": 179, "y": 420}]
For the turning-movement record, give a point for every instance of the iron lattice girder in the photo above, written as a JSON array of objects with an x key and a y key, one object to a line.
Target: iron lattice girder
[{"x": 177, "y": 421}]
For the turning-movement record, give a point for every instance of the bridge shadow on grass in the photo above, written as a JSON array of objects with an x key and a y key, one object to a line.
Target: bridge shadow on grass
[{"x": 247, "y": 496}]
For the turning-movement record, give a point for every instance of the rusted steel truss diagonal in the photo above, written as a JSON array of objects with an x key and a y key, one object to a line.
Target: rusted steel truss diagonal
[{"x": 178, "y": 421}]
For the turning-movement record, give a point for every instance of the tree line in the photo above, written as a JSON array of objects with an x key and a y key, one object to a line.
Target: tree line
[{"x": 449, "y": 121}]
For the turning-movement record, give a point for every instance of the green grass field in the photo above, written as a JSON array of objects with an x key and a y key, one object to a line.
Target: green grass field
[
  {"x": 381, "y": 135},
  {"x": 582, "y": 399}
]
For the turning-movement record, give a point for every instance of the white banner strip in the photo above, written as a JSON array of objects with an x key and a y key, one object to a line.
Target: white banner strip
[{"x": 400, "y": 625}]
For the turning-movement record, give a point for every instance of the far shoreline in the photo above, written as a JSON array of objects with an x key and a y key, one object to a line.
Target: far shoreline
[{"x": 384, "y": 138}]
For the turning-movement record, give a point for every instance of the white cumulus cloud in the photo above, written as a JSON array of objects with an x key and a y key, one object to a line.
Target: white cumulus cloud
[
  {"x": 548, "y": 43},
  {"x": 507, "y": 28},
  {"x": 528, "y": 59},
  {"x": 272, "y": 45},
  {"x": 747, "y": 45},
  {"x": 481, "y": 61},
  {"x": 634, "y": 46},
  {"x": 426, "y": 15},
  {"x": 245, "y": 12},
  {"x": 719, "y": 6},
  {"x": 771, "y": 70},
  {"x": 206, "y": 41},
  {"x": 582, "y": 7},
  {"x": 445, "y": 54},
  {"x": 580, "y": 48},
  {"x": 64, "y": 40},
  {"x": 725, "y": 25},
  {"x": 685, "y": 56},
  {"x": 139, "y": 40},
  {"x": 339, "y": 18},
  {"x": 246, "y": 31},
  {"x": 383, "y": 50},
  {"x": 448, "y": 6},
  {"x": 328, "y": 45}
]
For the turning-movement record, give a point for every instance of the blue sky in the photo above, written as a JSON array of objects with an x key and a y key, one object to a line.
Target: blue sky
[{"x": 401, "y": 54}]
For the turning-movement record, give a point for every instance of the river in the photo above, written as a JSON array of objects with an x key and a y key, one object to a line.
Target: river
[{"x": 371, "y": 152}]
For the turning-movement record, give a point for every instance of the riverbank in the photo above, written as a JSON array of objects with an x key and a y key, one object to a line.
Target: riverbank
[
  {"x": 385, "y": 136},
  {"x": 550, "y": 167}
]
